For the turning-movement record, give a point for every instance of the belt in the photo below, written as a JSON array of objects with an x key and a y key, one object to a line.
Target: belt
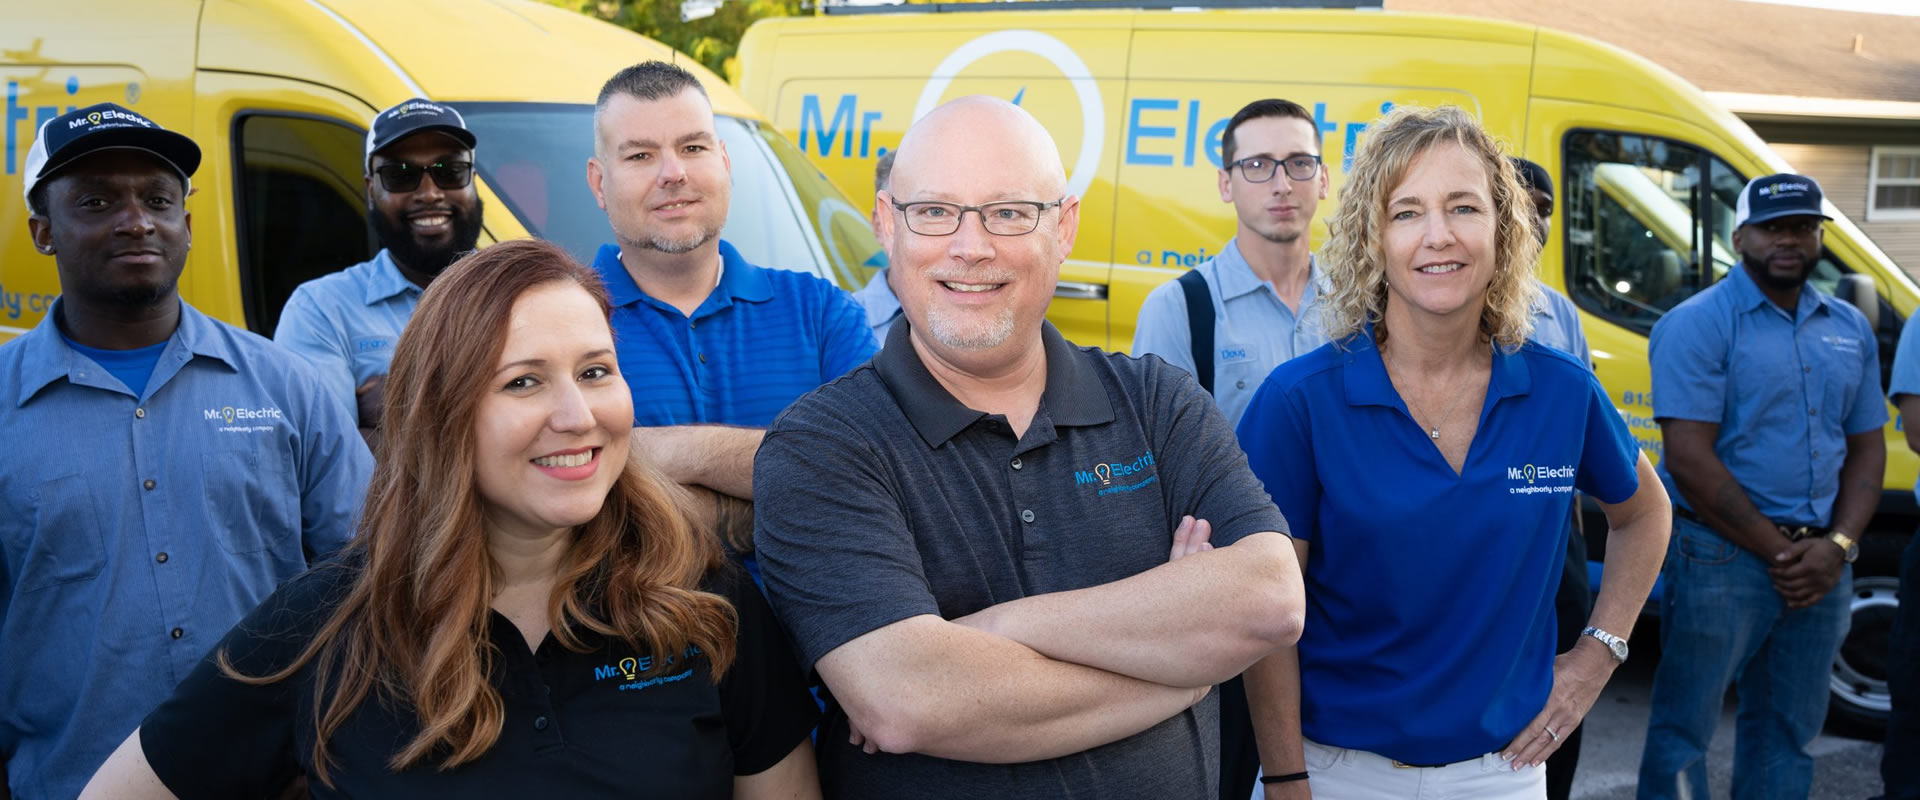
[
  {"x": 1792, "y": 530},
  {"x": 1404, "y": 765}
]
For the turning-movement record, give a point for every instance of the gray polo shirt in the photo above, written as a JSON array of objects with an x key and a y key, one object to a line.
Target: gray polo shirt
[{"x": 881, "y": 497}]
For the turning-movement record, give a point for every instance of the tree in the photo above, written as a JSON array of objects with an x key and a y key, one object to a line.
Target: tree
[{"x": 711, "y": 40}]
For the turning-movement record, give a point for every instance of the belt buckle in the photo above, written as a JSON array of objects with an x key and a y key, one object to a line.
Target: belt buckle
[
  {"x": 1398, "y": 765},
  {"x": 1796, "y": 534}
]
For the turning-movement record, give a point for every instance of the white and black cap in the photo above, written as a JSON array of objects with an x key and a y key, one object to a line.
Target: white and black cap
[
  {"x": 1780, "y": 195},
  {"x": 107, "y": 126},
  {"x": 416, "y": 116}
]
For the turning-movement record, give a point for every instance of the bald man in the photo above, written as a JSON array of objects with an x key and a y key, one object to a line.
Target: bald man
[{"x": 1017, "y": 565}]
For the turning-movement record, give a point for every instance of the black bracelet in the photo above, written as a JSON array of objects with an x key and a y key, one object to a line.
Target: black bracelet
[{"x": 1288, "y": 778}]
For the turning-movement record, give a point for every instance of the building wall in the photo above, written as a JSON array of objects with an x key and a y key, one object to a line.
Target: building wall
[{"x": 1840, "y": 158}]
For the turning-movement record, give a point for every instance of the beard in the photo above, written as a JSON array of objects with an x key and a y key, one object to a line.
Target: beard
[
  {"x": 397, "y": 237},
  {"x": 1763, "y": 273},
  {"x": 678, "y": 246},
  {"x": 954, "y": 331}
]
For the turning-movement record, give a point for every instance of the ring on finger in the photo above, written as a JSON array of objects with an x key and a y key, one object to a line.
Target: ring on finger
[{"x": 1551, "y": 734}]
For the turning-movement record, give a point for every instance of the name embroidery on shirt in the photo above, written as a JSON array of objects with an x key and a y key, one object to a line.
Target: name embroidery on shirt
[
  {"x": 1230, "y": 355},
  {"x": 628, "y": 670},
  {"x": 1540, "y": 479},
  {"x": 1103, "y": 475},
  {"x": 369, "y": 345},
  {"x": 239, "y": 419}
]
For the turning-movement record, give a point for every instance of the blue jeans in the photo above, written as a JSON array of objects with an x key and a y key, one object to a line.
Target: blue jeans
[
  {"x": 1899, "y": 770},
  {"x": 1722, "y": 622}
]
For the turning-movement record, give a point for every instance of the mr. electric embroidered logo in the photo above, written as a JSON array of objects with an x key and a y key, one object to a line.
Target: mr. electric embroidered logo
[
  {"x": 240, "y": 419},
  {"x": 1104, "y": 474},
  {"x": 630, "y": 668},
  {"x": 1538, "y": 479}
]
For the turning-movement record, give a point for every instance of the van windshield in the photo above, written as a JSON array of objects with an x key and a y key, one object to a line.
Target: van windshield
[{"x": 534, "y": 157}]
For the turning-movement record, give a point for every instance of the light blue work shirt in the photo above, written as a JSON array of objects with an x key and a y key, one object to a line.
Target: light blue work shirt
[
  {"x": 1786, "y": 390},
  {"x": 1430, "y": 622},
  {"x": 881, "y": 306},
  {"x": 347, "y": 323},
  {"x": 137, "y": 527},
  {"x": 1556, "y": 324},
  {"x": 761, "y": 339},
  {"x": 1253, "y": 330},
  {"x": 1906, "y": 371}
]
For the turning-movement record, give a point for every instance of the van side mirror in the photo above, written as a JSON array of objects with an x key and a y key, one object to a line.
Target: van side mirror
[{"x": 1858, "y": 290}]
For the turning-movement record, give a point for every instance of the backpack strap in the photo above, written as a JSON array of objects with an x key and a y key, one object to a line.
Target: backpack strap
[{"x": 1199, "y": 325}]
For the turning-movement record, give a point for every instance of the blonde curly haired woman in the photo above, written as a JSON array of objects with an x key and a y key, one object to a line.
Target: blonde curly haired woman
[{"x": 1427, "y": 460}]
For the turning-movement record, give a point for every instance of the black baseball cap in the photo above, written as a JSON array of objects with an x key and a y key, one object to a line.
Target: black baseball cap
[
  {"x": 1780, "y": 195},
  {"x": 1532, "y": 175},
  {"x": 107, "y": 126},
  {"x": 416, "y": 116}
]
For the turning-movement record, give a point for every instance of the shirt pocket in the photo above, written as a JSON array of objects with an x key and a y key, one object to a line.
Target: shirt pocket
[
  {"x": 250, "y": 499},
  {"x": 59, "y": 533}
]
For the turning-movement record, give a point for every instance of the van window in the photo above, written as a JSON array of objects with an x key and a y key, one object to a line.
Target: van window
[
  {"x": 534, "y": 157},
  {"x": 1633, "y": 238},
  {"x": 301, "y": 207}
]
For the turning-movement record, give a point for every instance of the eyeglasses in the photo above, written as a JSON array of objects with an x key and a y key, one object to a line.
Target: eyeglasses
[
  {"x": 1007, "y": 218},
  {"x": 1260, "y": 170},
  {"x": 400, "y": 176},
  {"x": 1798, "y": 227}
]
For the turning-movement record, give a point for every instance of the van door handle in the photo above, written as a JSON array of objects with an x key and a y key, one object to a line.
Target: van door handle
[{"x": 1076, "y": 290}]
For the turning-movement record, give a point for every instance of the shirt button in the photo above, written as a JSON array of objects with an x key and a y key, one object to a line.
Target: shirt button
[
  {"x": 148, "y": 484},
  {"x": 1813, "y": 412},
  {"x": 1015, "y": 464},
  {"x": 1026, "y": 515},
  {"x": 703, "y": 358},
  {"x": 1239, "y": 384},
  {"x": 162, "y": 558},
  {"x": 177, "y": 633},
  {"x": 539, "y": 723},
  {"x": 139, "y": 413}
]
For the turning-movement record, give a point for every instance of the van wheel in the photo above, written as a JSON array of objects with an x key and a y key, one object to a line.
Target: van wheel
[{"x": 1859, "y": 683}]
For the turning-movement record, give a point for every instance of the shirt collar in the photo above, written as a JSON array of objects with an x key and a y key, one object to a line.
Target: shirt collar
[
  {"x": 1748, "y": 296},
  {"x": 1367, "y": 383},
  {"x": 385, "y": 280},
  {"x": 739, "y": 280},
  {"x": 878, "y": 300},
  {"x": 46, "y": 356},
  {"x": 1074, "y": 394},
  {"x": 1235, "y": 277}
]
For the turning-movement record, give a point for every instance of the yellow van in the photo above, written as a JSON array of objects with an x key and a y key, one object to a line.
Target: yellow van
[
  {"x": 1648, "y": 168},
  {"x": 278, "y": 94}
]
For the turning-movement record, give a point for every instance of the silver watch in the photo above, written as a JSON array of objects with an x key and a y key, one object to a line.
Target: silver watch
[{"x": 1615, "y": 645}]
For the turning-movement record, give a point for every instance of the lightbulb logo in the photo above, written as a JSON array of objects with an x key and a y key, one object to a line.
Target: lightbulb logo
[
  {"x": 93, "y": 118},
  {"x": 627, "y": 666},
  {"x": 1104, "y": 473},
  {"x": 227, "y": 414},
  {"x": 1531, "y": 472}
]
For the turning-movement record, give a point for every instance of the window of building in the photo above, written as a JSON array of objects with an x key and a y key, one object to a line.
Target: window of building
[
  {"x": 1893, "y": 188},
  {"x": 301, "y": 207}
]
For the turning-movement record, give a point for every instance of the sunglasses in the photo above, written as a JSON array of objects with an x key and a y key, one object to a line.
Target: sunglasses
[{"x": 400, "y": 176}]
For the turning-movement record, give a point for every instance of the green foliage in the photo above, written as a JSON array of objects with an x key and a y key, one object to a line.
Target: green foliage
[{"x": 711, "y": 40}]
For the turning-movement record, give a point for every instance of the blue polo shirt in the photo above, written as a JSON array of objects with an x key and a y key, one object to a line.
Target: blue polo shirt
[
  {"x": 136, "y": 527},
  {"x": 759, "y": 341},
  {"x": 1785, "y": 389},
  {"x": 1253, "y": 330},
  {"x": 1906, "y": 370},
  {"x": 347, "y": 323},
  {"x": 1430, "y": 622}
]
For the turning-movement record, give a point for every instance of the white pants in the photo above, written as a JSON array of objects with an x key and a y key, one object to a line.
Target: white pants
[{"x": 1337, "y": 774}]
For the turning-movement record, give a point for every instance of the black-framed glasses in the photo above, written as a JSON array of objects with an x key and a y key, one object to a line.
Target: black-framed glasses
[
  {"x": 1260, "y": 169},
  {"x": 1005, "y": 218},
  {"x": 400, "y": 176}
]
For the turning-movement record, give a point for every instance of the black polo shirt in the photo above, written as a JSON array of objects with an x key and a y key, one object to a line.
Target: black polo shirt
[
  {"x": 595, "y": 724},
  {"x": 881, "y": 497}
]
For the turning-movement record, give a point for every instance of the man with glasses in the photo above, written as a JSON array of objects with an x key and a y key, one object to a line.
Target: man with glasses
[
  {"x": 1767, "y": 392},
  {"x": 883, "y": 308},
  {"x": 425, "y": 214},
  {"x": 1261, "y": 288},
  {"x": 1017, "y": 565},
  {"x": 1255, "y": 302}
]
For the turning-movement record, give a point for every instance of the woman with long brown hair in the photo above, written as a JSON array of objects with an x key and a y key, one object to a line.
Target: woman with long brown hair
[{"x": 520, "y": 615}]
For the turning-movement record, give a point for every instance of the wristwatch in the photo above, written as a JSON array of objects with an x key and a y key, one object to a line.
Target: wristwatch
[
  {"x": 1846, "y": 543},
  {"x": 1615, "y": 645}
]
